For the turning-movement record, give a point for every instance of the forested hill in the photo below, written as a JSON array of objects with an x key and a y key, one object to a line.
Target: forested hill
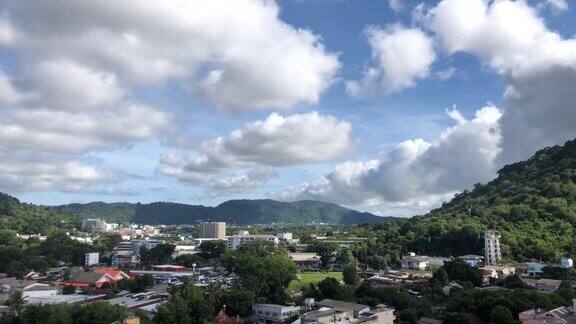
[
  {"x": 32, "y": 219},
  {"x": 241, "y": 212},
  {"x": 532, "y": 203}
]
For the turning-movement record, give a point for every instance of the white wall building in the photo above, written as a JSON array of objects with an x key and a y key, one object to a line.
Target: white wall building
[
  {"x": 266, "y": 313},
  {"x": 492, "y": 252},
  {"x": 235, "y": 241},
  {"x": 92, "y": 259}
]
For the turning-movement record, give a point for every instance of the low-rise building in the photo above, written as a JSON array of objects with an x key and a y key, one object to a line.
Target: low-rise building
[
  {"x": 271, "y": 313},
  {"x": 547, "y": 286},
  {"x": 421, "y": 262},
  {"x": 91, "y": 259},
  {"x": 560, "y": 315},
  {"x": 535, "y": 269},
  {"x": 235, "y": 241},
  {"x": 472, "y": 260},
  {"x": 335, "y": 311},
  {"x": 306, "y": 260}
]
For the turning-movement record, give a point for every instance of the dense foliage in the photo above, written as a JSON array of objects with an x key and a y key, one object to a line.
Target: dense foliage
[
  {"x": 241, "y": 212},
  {"x": 532, "y": 203},
  {"x": 31, "y": 219}
]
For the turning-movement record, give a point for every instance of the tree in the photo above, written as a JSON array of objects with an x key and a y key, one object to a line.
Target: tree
[
  {"x": 210, "y": 250},
  {"x": 238, "y": 302},
  {"x": 501, "y": 315},
  {"x": 68, "y": 290},
  {"x": 350, "y": 274},
  {"x": 325, "y": 250},
  {"x": 264, "y": 268},
  {"x": 16, "y": 302},
  {"x": 187, "y": 304},
  {"x": 439, "y": 277}
]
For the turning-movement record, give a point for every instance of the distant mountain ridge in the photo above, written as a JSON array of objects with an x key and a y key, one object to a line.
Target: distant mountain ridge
[{"x": 240, "y": 212}]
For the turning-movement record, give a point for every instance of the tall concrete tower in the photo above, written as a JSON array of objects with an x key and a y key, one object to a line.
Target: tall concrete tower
[{"x": 492, "y": 253}]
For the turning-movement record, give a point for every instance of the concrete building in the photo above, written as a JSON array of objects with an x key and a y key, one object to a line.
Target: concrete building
[
  {"x": 335, "y": 311},
  {"x": 93, "y": 225},
  {"x": 91, "y": 259},
  {"x": 235, "y": 241},
  {"x": 492, "y": 252},
  {"x": 535, "y": 269},
  {"x": 547, "y": 286},
  {"x": 213, "y": 230},
  {"x": 270, "y": 313},
  {"x": 472, "y": 260},
  {"x": 306, "y": 260},
  {"x": 421, "y": 262}
]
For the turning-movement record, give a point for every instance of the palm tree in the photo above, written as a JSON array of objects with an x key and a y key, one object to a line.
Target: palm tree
[
  {"x": 214, "y": 292},
  {"x": 16, "y": 302}
]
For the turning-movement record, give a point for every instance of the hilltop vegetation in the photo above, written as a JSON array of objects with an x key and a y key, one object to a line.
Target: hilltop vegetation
[
  {"x": 241, "y": 212},
  {"x": 532, "y": 203},
  {"x": 31, "y": 219}
]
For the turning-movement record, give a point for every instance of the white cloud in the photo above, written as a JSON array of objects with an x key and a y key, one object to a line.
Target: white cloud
[
  {"x": 415, "y": 173},
  {"x": 62, "y": 131},
  {"x": 41, "y": 172},
  {"x": 556, "y": 6},
  {"x": 396, "y": 5},
  {"x": 239, "y": 182},
  {"x": 401, "y": 55},
  {"x": 275, "y": 141},
  {"x": 538, "y": 65},
  {"x": 235, "y": 54}
]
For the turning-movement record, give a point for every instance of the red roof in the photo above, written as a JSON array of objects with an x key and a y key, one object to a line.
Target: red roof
[
  {"x": 222, "y": 318},
  {"x": 113, "y": 273}
]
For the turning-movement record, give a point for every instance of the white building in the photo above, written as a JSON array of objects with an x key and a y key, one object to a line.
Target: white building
[
  {"x": 93, "y": 225},
  {"x": 421, "y": 262},
  {"x": 235, "y": 241},
  {"x": 213, "y": 230},
  {"x": 535, "y": 269},
  {"x": 91, "y": 259},
  {"x": 492, "y": 252},
  {"x": 266, "y": 313}
]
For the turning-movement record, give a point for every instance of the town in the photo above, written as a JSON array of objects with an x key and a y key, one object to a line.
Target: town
[{"x": 316, "y": 276}]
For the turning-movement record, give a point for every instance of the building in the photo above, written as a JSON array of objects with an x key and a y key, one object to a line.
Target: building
[
  {"x": 91, "y": 259},
  {"x": 547, "y": 286},
  {"x": 492, "y": 252},
  {"x": 123, "y": 259},
  {"x": 235, "y": 241},
  {"x": 472, "y": 260},
  {"x": 115, "y": 274},
  {"x": 93, "y": 225},
  {"x": 88, "y": 279},
  {"x": 560, "y": 315},
  {"x": 213, "y": 230},
  {"x": 335, "y": 311},
  {"x": 535, "y": 269},
  {"x": 566, "y": 263},
  {"x": 421, "y": 262},
  {"x": 306, "y": 260},
  {"x": 270, "y": 313}
]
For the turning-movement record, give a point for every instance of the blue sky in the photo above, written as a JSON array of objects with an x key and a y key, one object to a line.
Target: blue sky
[{"x": 395, "y": 152}]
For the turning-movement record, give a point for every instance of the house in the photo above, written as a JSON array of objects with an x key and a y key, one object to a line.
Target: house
[
  {"x": 472, "y": 260},
  {"x": 560, "y": 315},
  {"x": 535, "y": 268},
  {"x": 115, "y": 274},
  {"x": 490, "y": 272},
  {"x": 12, "y": 284},
  {"x": 332, "y": 311},
  {"x": 421, "y": 262},
  {"x": 271, "y": 313},
  {"x": 547, "y": 286},
  {"x": 306, "y": 260},
  {"x": 222, "y": 318},
  {"x": 88, "y": 279}
]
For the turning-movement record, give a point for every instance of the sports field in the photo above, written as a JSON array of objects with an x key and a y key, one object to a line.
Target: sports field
[{"x": 305, "y": 278}]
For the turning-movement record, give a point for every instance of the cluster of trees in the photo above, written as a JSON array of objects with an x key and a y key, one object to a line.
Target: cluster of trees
[
  {"x": 97, "y": 312},
  {"x": 264, "y": 272},
  {"x": 31, "y": 219},
  {"x": 18, "y": 255}
]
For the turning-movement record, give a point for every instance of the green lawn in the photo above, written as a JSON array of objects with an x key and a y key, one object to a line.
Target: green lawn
[{"x": 305, "y": 278}]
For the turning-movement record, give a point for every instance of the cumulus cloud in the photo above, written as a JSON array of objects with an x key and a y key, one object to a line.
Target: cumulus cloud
[
  {"x": 538, "y": 65},
  {"x": 41, "y": 172},
  {"x": 401, "y": 57},
  {"x": 556, "y": 6},
  {"x": 415, "y": 173},
  {"x": 239, "y": 182},
  {"x": 275, "y": 141},
  {"x": 235, "y": 54},
  {"x": 395, "y": 5}
]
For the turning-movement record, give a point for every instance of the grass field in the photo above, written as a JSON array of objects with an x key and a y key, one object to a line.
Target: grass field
[{"x": 305, "y": 278}]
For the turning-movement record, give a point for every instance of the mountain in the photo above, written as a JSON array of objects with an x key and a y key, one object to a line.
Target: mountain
[
  {"x": 32, "y": 219},
  {"x": 241, "y": 212},
  {"x": 532, "y": 203}
]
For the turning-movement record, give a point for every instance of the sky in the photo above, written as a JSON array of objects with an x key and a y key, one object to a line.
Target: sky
[{"x": 386, "y": 106}]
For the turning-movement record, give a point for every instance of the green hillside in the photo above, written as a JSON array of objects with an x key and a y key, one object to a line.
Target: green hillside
[
  {"x": 532, "y": 203},
  {"x": 241, "y": 212},
  {"x": 32, "y": 219}
]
